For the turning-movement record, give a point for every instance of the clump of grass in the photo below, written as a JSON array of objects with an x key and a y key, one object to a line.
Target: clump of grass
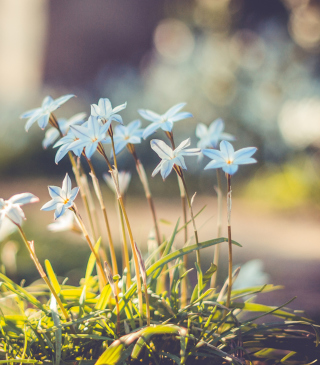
[{"x": 144, "y": 311}]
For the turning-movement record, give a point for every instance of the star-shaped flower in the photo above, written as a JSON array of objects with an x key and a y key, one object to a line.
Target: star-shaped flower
[
  {"x": 42, "y": 114},
  {"x": 171, "y": 157},
  {"x": 210, "y": 137},
  {"x": 62, "y": 198},
  {"x": 164, "y": 121},
  {"x": 64, "y": 144},
  {"x": 123, "y": 135},
  {"x": 89, "y": 136},
  {"x": 52, "y": 134},
  {"x": 105, "y": 112},
  {"x": 228, "y": 159},
  {"x": 11, "y": 208}
]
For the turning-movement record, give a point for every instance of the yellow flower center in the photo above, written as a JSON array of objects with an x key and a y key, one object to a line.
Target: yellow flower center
[
  {"x": 65, "y": 201},
  {"x": 229, "y": 162}
]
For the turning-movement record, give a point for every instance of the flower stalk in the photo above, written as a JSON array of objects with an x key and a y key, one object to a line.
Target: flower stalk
[{"x": 229, "y": 203}]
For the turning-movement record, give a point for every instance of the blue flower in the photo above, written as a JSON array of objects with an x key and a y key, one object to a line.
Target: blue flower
[
  {"x": 52, "y": 134},
  {"x": 164, "y": 121},
  {"x": 89, "y": 136},
  {"x": 62, "y": 198},
  {"x": 170, "y": 157},
  {"x": 64, "y": 144},
  {"x": 228, "y": 159},
  {"x": 42, "y": 114},
  {"x": 11, "y": 208},
  {"x": 123, "y": 135},
  {"x": 105, "y": 112},
  {"x": 210, "y": 137}
]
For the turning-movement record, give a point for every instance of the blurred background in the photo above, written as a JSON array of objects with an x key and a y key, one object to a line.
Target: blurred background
[{"x": 253, "y": 63}]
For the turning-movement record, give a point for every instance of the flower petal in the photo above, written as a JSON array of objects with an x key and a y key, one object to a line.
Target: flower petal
[
  {"x": 167, "y": 126},
  {"x": 15, "y": 214},
  {"x": 50, "y": 205},
  {"x": 182, "y": 145},
  {"x": 133, "y": 126},
  {"x": 60, "y": 209},
  {"x": 58, "y": 102},
  {"x": 105, "y": 107},
  {"x": 55, "y": 193},
  {"x": 149, "y": 115},
  {"x": 50, "y": 136},
  {"x": 66, "y": 187},
  {"x": 157, "y": 169},
  {"x": 117, "y": 118},
  {"x": 119, "y": 146},
  {"x": 150, "y": 129},
  {"x": 91, "y": 148},
  {"x": 227, "y": 149},
  {"x": 243, "y": 154},
  {"x": 230, "y": 169},
  {"x": 180, "y": 116},
  {"x": 95, "y": 110},
  {"x": 73, "y": 193},
  {"x": 201, "y": 130},
  {"x": 43, "y": 121},
  {"x": 246, "y": 161},
  {"x": 32, "y": 120},
  {"x": 214, "y": 154},
  {"x": 23, "y": 198},
  {"x": 30, "y": 113},
  {"x": 162, "y": 149},
  {"x": 118, "y": 108},
  {"x": 173, "y": 110},
  {"x": 166, "y": 168},
  {"x": 215, "y": 164},
  {"x": 179, "y": 160}
]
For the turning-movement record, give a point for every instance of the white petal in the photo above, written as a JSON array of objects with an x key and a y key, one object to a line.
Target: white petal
[
  {"x": 105, "y": 106},
  {"x": 214, "y": 154},
  {"x": 167, "y": 126},
  {"x": 66, "y": 186},
  {"x": 60, "y": 209},
  {"x": 166, "y": 168},
  {"x": 133, "y": 126},
  {"x": 180, "y": 116},
  {"x": 23, "y": 198},
  {"x": 201, "y": 130},
  {"x": 73, "y": 193},
  {"x": 173, "y": 110},
  {"x": 157, "y": 169},
  {"x": 43, "y": 121},
  {"x": 227, "y": 149},
  {"x": 246, "y": 161},
  {"x": 150, "y": 129},
  {"x": 91, "y": 148},
  {"x": 118, "y": 108},
  {"x": 149, "y": 115},
  {"x": 215, "y": 164},
  {"x": 243, "y": 154},
  {"x": 15, "y": 213},
  {"x": 179, "y": 160},
  {"x": 183, "y": 145},
  {"x": 162, "y": 149},
  {"x": 95, "y": 110},
  {"x": 55, "y": 192},
  {"x": 50, "y": 205}
]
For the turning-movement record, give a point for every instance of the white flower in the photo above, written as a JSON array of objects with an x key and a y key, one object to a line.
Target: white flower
[
  {"x": 171, "y": 157},
  {"x": 11, "y": 208},
  {"x": 210, "y": 137},
  {"x": 62, "y": 198},
  {"x": 123, "y": 178},
  {"x": 228, "y": 159},
  {"x": 105, "y": 112}
]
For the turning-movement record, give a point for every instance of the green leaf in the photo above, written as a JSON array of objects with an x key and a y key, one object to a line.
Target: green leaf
[
  {"x": 171, "y": 240},
  {"x": 104, "y": 298},
  {"x": 92, "y": 260},
  {"x": 52, "y": 276}
]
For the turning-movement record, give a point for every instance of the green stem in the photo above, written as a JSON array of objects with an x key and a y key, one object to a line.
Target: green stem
[
  {"x": 229, "y": 241},
  {"x": 135, "y": 258},
  {"x": 219, "y": 228},
  {"x": 42, "y": 273}
]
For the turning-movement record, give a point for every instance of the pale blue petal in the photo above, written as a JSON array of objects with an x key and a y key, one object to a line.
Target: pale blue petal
[
  {"x": 32, "y": 120},
  {"x": 227, "y": 149},
  {"x": 47, "y": 101},
  {"x": 131, "y": 127},
  {"x": 107, "y": 140},
  {"x": 149, "y": 115},
  {"x": 227, "y": 137},
  {"x": 105, "y": 107},
  {"x": 214, "y": 154},
  {"x": 157, "y": 169},
  {"x": 173, "y": 110},
  {"x": 51, "y": 135},
  {"x": 134, "y": 140},
  {"x": 179, "y": 160},
  {"x": 50, "y": 205},
  {"x": 166, "y": 168},
  {"x": 91, "y": 148},
  {"x": 117, "y": 118},
  {"x": 62, "y": 151},
  {"x": 230, "y": 169},
  {"x": 31, "y": 113},
  {"x": 118, "y": 108},
  {"x": 43, "y": 121},
  {"x": 183, "y": 145},
  {"x": 244, "y": 153},
  {"x": 23, "y": 198},
  {"x": 80, "y": 132},
  {"x": 55, "y": 193},
  {"x": 215, "y": 164},
  {"x": 66, "y": 187},
  {"x": 121, "y": 131},
  {"x": 77, "y": 146},
  {"x": 245, "y": 161},
  {"x": 77, "y": 119},
  {"x": 162, "y": 149},
  {"x": 167, "y": 126},
  {"x": 74, "y": 192},
  {"x": 180, "y": 116},
  {"x": 201, "y": 130},
  {"x": 119, "y": 146},
  {"x": 95, "y": 110},
  {"x": 15, "y": 213},
  {"x": 190, "y": 152},
  {"x": 58, "y": 102},
  {"x": 216, "y": 127},
  {"x": 150, "y": 129},
  {"x": 60, "y": 210},
  {"x": 94, "y": 126}
]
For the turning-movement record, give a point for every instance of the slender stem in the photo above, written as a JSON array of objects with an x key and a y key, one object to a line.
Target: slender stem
[
  {"x": 219, "y": 228},
  {"x": 145, "y": 184},
  {"x": 229, "y": 241},
  {"x": 147, "y": 303},
  {"x": 135, "y": 258},
  {"x": 42, "y": 273},
  {"x": 125, "y": 245},
  {"x": 97, "y": 189},
  {"x": 85, "y": 233},
  {"x": 180, "y": 173}
]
